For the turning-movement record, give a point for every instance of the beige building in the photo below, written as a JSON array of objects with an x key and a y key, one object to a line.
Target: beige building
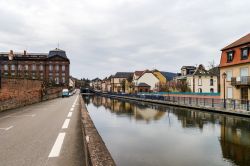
[{"x": 235, "y": 63}]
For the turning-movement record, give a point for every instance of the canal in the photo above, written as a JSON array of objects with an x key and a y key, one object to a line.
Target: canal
[{"x": 142, "y": 134}]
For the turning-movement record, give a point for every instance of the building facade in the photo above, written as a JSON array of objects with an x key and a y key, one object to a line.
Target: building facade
[
  {"x": 235, "y": 63},
  {"x": 52, "y": 68},
  {"x": 120, "y": 82}
]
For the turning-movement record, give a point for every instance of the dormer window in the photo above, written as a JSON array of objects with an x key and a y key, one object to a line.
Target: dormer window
[
  {"x": 244, "y": 53},
  {"x": 230, "y": 56}
]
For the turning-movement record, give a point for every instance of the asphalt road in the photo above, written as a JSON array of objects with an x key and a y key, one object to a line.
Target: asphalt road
[{"x": 43, "y": 134}]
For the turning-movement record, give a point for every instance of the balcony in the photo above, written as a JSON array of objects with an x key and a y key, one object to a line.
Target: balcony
[{"x": 238, "y": 81}]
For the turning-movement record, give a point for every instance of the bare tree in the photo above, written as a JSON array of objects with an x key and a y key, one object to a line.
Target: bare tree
[{"x": 211, "y": 64}]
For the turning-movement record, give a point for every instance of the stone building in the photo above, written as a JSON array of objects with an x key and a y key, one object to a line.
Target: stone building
[{"x": 52, "y": 68}]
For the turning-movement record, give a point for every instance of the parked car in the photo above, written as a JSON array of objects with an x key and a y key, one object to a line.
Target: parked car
[{"x": 65, "y": 93}]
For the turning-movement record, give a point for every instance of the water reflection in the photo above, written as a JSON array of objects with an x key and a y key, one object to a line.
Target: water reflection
[{"x": 227, "y": 138}]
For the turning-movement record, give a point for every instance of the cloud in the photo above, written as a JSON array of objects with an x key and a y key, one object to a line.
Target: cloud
[{"x": 102, "y": 37}]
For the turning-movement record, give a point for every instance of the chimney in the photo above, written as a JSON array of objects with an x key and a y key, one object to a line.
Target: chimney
[
  {"x": 11, "y": 55},
  {"x": 24, "y": 52}
]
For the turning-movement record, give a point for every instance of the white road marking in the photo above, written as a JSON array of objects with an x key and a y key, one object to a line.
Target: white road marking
[
  {"x": 66, "y": 124},
  {"x": 6, "y": 129},
  {"x": 55, "y": 151},
  {"x": 72, "y": 109},
  {"x": 69, "y": 114}
]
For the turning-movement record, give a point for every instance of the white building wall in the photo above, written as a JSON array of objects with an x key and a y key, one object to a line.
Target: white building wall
[
  {"x": 205, "y": 84},
  {"x": 150, "y": 79}
]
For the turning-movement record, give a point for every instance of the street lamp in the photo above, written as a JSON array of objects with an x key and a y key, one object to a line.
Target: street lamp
[{"x": 224, "y": 76}]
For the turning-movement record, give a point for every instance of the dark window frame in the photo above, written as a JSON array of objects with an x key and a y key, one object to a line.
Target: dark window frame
[
  {"x": 242, "y": 50},
  {"x": 230, "y": 59}
]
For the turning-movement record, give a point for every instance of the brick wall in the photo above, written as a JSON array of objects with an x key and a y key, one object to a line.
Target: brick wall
[{"x": 20, "y": 92}]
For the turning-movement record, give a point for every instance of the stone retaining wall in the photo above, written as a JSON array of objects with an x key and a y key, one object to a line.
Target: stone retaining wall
[
  {"x": 96, "y": 149},
  {"x": 16, "y": 93}
]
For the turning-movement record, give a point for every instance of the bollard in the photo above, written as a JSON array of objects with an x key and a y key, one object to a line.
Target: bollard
[
  {"x": 247, "y": 105},
  {"x": 234, "y": 104}
]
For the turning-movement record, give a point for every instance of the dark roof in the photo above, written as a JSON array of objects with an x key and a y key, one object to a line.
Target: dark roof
[
  {"x": 188, "y": 67},
  {"x": 200, "y": 70},
  {"x": 123, "y": 74},
  {"x": 241, "y": 41},
  {"x": 142, "y": 84},
  {"x": 168, "y": 75},
  {"x": 96, "y": 79},
  {"x": 214, "y": 71},
  {"x": 58, "y": 52}
]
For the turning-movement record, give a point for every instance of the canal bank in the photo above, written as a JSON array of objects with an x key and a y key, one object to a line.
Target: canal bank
[
  {"x": 197, "y": 107},
  {"x": 95, "y": 149},
  {"x": 143, "y": 133}
]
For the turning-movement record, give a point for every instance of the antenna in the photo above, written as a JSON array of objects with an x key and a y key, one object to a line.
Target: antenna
[{"x": 58, "y": 44}]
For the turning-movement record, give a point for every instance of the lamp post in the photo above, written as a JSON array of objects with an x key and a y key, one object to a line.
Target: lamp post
[{"x": 224, "y": 76}]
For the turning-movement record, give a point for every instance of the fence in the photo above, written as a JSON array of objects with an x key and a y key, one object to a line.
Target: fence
[{"x": 228, "y": 104}]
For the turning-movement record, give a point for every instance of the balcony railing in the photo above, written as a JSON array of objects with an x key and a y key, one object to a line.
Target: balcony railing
[{"x": 244, "y": 80}]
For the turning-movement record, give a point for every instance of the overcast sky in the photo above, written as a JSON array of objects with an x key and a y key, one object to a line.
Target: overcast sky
[{"x": 104, "y": 36}]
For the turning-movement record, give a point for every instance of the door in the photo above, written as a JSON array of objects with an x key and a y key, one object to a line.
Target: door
[{"x": 244, "y": 94}]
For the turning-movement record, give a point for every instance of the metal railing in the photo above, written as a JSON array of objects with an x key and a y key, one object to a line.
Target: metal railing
[
  {"x": 244, "y": 80},
  {"x": 228, "y": 104}
]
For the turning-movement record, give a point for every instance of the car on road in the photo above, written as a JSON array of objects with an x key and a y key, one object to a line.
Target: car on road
[{"x": 65, "y": 93}]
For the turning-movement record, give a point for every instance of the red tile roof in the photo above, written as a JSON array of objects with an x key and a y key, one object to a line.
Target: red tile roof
[{"x": 243, "y": 40}]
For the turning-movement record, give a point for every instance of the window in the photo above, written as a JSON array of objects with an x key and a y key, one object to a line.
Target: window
[
  {"x": 200, "y": 90},
  {"x": 33, "y": 76},
  {"x": 63, "y": 67},
  {"x": 199, "y": 81},
  {"x": 26, "y": 67},
  {"x": 63, "y": 80},
  {"x": 50, "y": 77},
  {"x": 13, "y": 67},
  {"x": 229, "y": 92},
  {"x": 41, "y": 67},
  {"x": 50, "y": 67},
  {"x": 244, "y": 72},
  {"x": 41, "y": 75},
  {"x": 230, "y": 56},
  {"x": 229, "y": 75},
  {"x": 244, "y": 53},
  {"x": 57, "y": 80},
  {"x": 6, "y": 67},
  {"x": 212, "y": 90},
  {"x": 57, "y": 67},
  {"x": 20, "y": 67},
  {"x": 34, "y": 67},
  {"x": 211, "y": 82}
]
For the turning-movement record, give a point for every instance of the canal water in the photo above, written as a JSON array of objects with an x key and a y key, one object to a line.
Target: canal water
[{"x": 142, "y": 134}]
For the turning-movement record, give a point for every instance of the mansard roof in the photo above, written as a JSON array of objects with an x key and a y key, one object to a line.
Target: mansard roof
[{"x": 58, "y": 52}]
